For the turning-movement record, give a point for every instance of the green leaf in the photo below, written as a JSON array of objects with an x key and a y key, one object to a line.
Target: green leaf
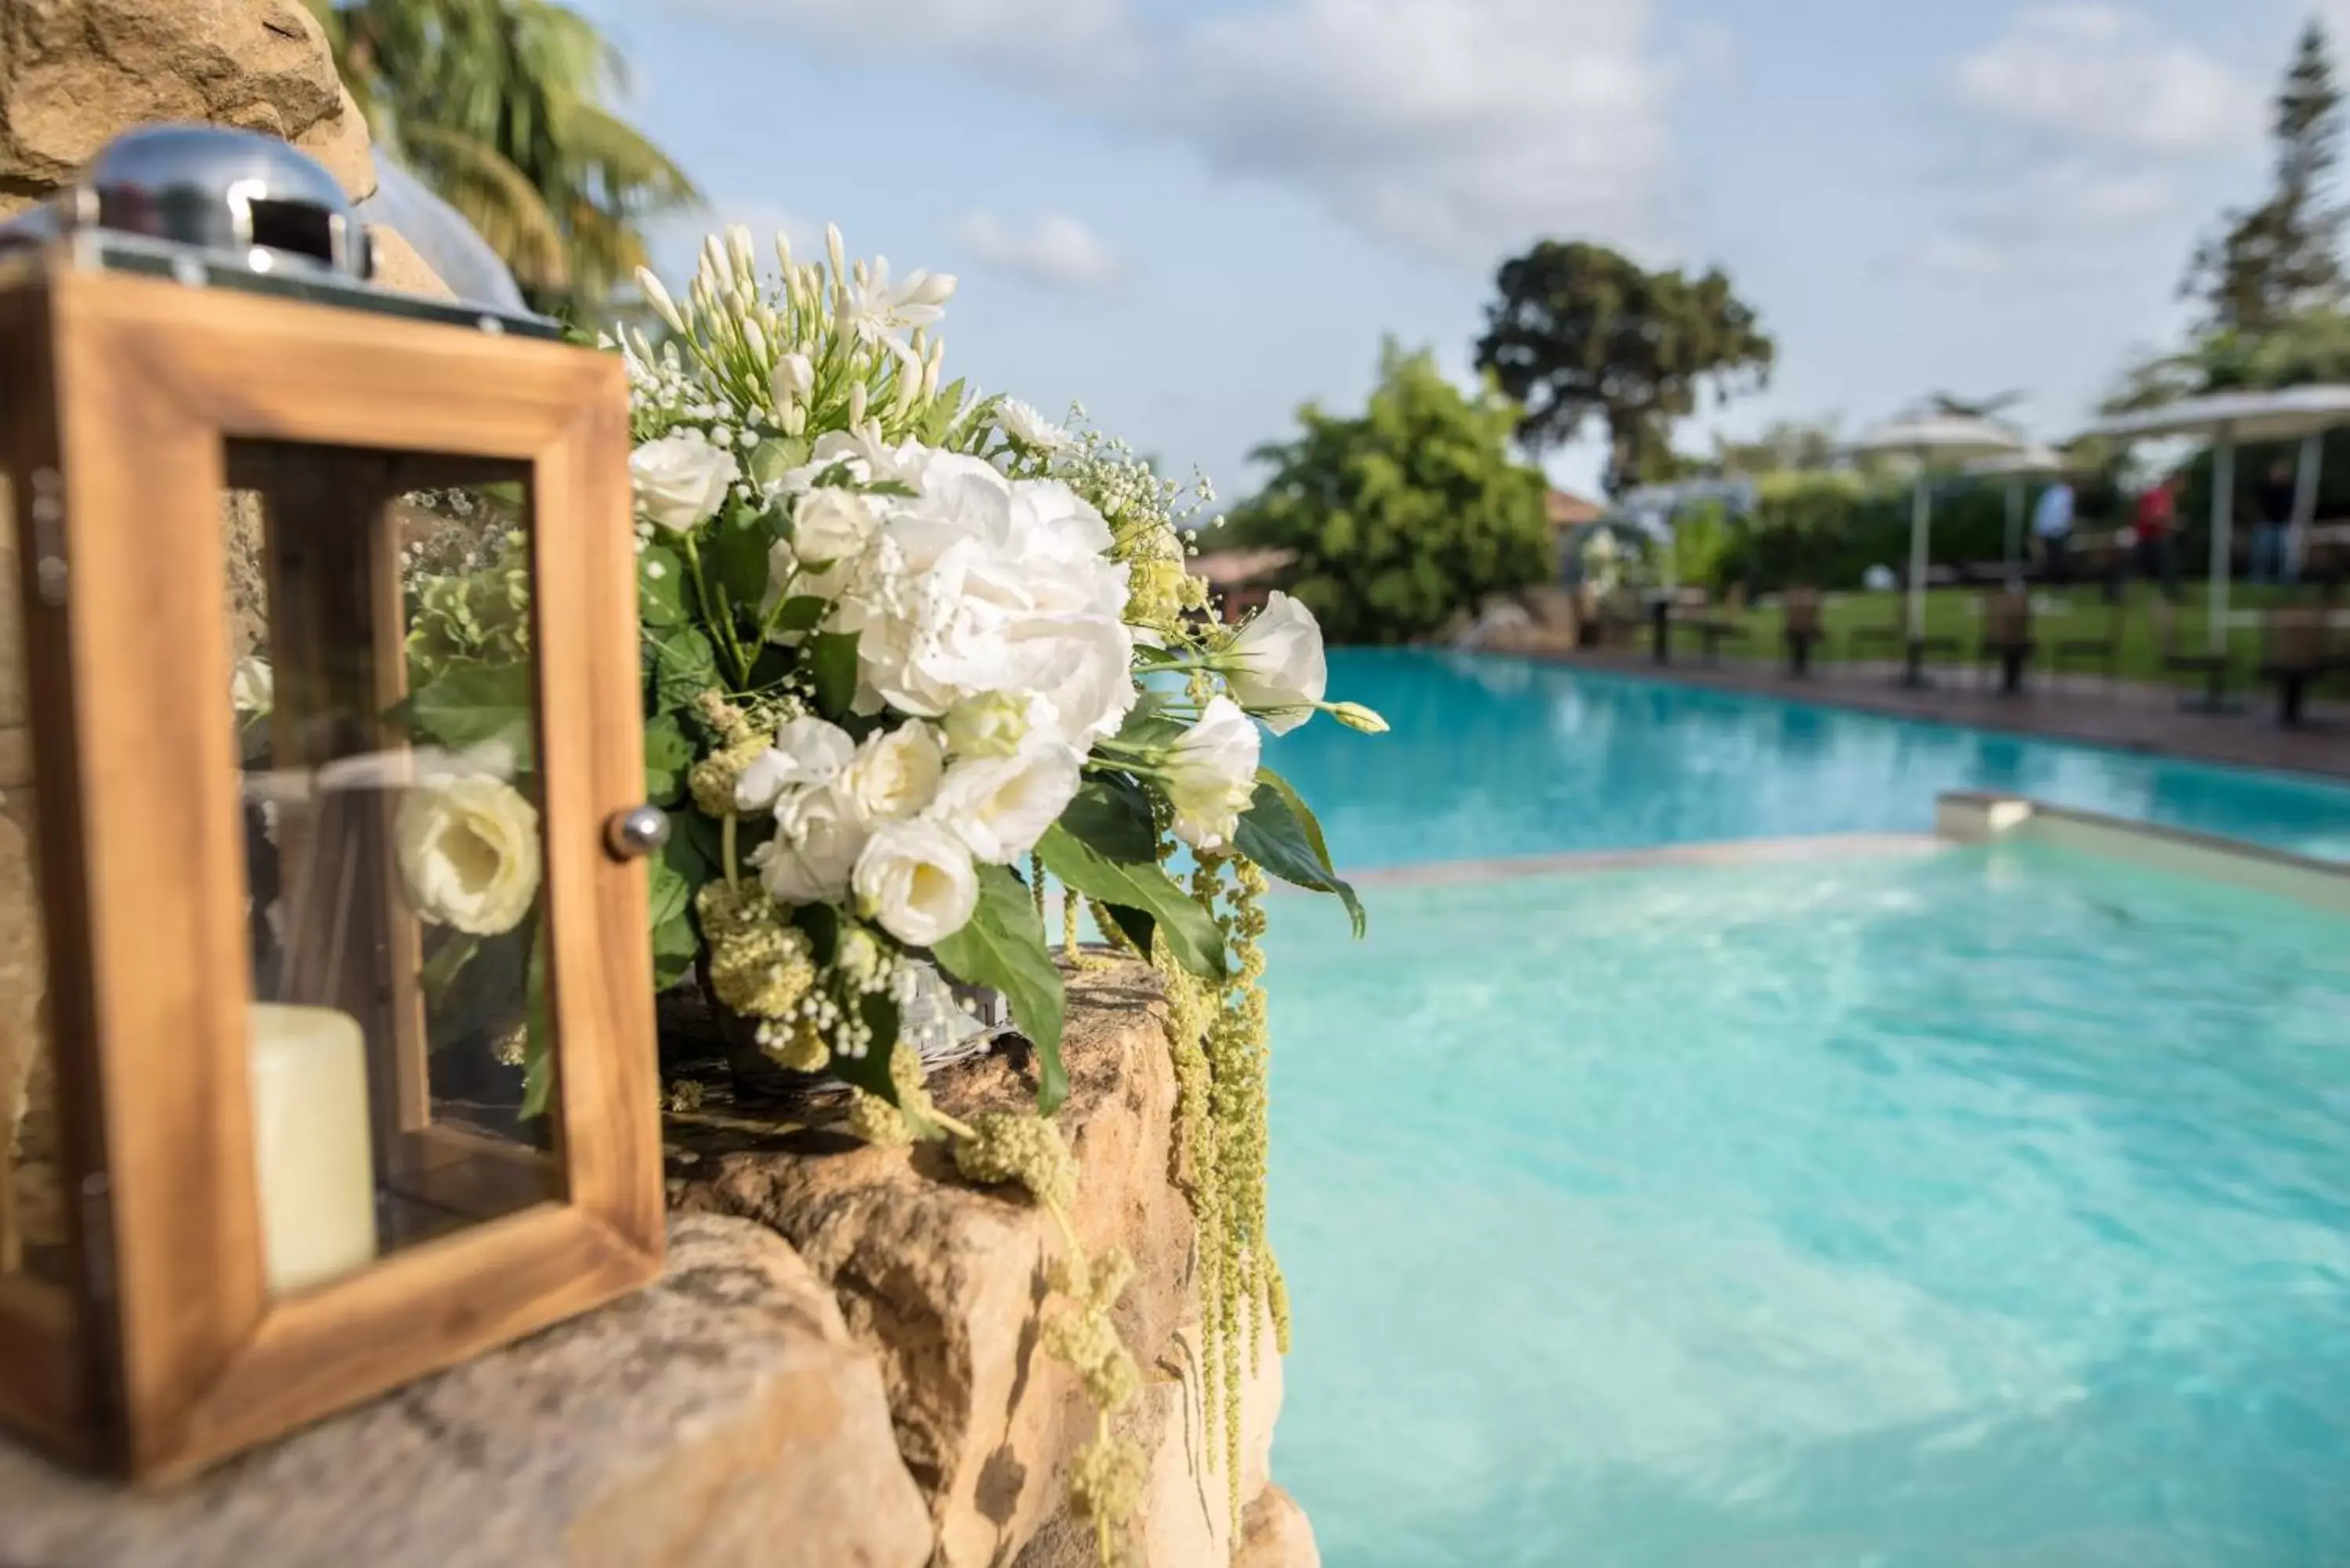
[
  {"x": 1112, "y": 815},
  {"x": 1191, "y": 931},
  {"x": 870, "y": 1071},
  {"x": 801, "y": 612},
  {"x": 1003, "y": 947},
  {"x": 670, "y": 893},
  {"x": 448, "y": 959},
  {"x": 738, "y": 556},
  {"x": 661, "y": 586},
  {"x": 668, "y": 757},
  {"x": 773, "y": 456},
  {"x": 833, "y": 665},
  {"x": 472, "y": 704},
  {"x": 684, "y": 667},
  {"x": 675, "y": 947},
  {"x": 1275, "y": 834},
  {"x": 1147, "y": 723}
]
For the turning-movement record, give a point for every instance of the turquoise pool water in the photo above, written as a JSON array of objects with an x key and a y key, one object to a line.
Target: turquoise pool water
[
  {"x": 1969, "y": 1207},
  {"x": 1496, "y": 757}
]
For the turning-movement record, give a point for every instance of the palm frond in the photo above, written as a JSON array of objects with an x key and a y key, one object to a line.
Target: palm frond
[{"x": 498, "y": 199}]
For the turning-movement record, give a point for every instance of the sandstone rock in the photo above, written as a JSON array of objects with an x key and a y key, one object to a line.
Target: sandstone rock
[
  {"x": 944, "y": 1281},
  {"x": 28, "y": 1211},
  {"x": 1277, "y": 1534},
  {"x": 342, "y": 143},
  {"x": 397, "y": 265},
  {"x": 76, "y": 73},
  {"x": 723, "y": 1419}
]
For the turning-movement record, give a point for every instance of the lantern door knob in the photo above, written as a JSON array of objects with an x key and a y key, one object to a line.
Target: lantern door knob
[{"x": 635, "y": 833}]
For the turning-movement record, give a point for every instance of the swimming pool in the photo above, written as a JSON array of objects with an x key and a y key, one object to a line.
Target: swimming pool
[
  {"x": 1968, "y": 1206},
  {"x": 1497, "y": 756},
  {"x": 1978, "y": 1206}
]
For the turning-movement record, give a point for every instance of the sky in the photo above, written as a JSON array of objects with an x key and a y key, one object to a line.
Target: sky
[{"x": 1196, "y": 216}]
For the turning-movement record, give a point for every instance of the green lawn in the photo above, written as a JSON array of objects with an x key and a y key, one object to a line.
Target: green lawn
[{"x": 2057, "y": 614}]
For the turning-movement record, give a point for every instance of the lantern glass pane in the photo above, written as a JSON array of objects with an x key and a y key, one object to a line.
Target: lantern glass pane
[
  {"x": 33, "y": 1239},
  {"x": 386, "y": 707}
]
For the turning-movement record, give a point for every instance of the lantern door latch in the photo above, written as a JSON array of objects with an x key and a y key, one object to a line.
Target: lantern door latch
[{"x": 635, "y": 832}]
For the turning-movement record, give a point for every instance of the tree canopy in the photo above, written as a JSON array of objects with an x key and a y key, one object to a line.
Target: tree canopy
[
  {"x": 2281, "y": 258},
  {"x": 501, "y": 107},
  {"x": 1582, "y": 331},
  {"x": 1405, "y": 514}
]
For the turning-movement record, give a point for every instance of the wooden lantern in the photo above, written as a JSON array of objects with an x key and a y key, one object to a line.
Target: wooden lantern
[{"x": 321, "y": 757}]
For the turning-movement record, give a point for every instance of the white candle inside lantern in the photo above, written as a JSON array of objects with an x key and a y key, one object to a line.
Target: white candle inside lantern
[{"x": 312, "y": 1159}]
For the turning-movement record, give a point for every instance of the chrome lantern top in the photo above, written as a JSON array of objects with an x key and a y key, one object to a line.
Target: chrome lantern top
[{"x": 208, "y": 205}]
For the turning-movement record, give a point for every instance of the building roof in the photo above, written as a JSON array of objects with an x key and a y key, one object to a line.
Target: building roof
[
  {"x": 1235, "y": 568},
  {"x": 1567, "y": 509}
]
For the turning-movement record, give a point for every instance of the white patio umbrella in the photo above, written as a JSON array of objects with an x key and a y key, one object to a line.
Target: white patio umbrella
[
  {"x": 1931, "y": 438},
  {"x": 2016, "y": 467},
  {"x": 2226, "y": 419}
]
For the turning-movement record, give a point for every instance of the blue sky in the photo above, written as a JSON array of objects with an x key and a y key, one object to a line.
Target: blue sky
[{"x": 1196, "y": 216}]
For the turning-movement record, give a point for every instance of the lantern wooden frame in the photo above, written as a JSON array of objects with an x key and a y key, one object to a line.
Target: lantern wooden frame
[{"x": 120, "y": 396}]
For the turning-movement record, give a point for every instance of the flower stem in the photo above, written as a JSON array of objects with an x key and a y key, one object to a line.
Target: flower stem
[{"x": 726, "y": 848}]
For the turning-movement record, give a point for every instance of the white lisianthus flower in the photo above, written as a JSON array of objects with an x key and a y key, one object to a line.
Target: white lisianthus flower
[
  {"x": 916, "y": 878},
  {"x": 682, "y": 480},
  {"x": 252, "y": 685},
  {"x": 991, "y": 724},
  {"x": 1275, "y": 667},
  {"x": 1210, "y": 775},
  {"x": 819, "y": 837},
  {"x": 1029, "y": 428},
  {"x": 808, "y": 754},
  {"x": 895, "y": 774},
  {"x": 1000, "y": 806},
  {"x": 468, "y": 853}
]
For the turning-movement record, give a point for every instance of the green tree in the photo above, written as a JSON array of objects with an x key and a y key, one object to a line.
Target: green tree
[
  {"x": 2281, "y": 258},
  {"x": 1785, "y": 446},
  {"x": 501, "y": 107},
  {"x": 1405, "y": 514},
  {"x": 1580, "y": 330}
]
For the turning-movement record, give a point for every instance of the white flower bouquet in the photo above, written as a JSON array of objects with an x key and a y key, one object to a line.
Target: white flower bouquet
[{"x": 906, "y": 652}]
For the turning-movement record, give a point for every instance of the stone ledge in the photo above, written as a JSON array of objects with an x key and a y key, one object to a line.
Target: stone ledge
[
  {"x": 723, "y": 1419},
  {"x": 943, "y": 1281}
]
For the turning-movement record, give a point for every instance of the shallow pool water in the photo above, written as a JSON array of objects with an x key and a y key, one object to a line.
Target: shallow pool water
[
  {"x": 1497, "y": 756},
  {"x": 1977, "y": 1207}
]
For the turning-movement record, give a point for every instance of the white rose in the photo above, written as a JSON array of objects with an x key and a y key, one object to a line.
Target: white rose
[
  {"x": 808, "y": 754},
  {"x": 991, "y": 724},
  {"x": 1275, "y": 667},
  {"x": 1000, "y": 806},
  {"x": 1210, "y": 775},
  {"x": 680, "y": 480},
  {"x": 894, "y": 773},
  {"x": 832, "y": 526},
  {"x": 468, "y": 853},
  {"x": 916, "y": 879},
  {"x": 252, "y": 685},
  {"x": 818, "y": 840}
]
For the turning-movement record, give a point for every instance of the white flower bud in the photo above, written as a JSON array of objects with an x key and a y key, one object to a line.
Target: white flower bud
[
  {"x": 738, "y": 244},
  {"x": 657, "y": 297},
  {"x": 784, "y": 254},
  {"x": 833, "y": 251},
  {"x": 1355, "y": 716},
  {"x": 716, "y": 263},
  {"x": 753, "y": 339},
  {"x": 857, "y": 405}
]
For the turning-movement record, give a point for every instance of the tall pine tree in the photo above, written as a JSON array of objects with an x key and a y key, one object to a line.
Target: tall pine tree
[{"x": 2283, "y": 257}]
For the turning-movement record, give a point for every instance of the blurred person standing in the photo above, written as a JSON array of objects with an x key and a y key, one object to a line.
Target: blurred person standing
[
  {"x": 2274, "y": 501},
  {"x": 2157, "y": 526},
  {"x": 2052, "y": 531}
]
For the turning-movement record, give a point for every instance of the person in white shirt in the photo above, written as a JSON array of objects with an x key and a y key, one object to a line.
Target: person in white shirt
[{"x": 2052, "y": 531}]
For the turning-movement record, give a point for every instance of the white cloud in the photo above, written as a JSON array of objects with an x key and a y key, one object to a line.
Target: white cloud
[
  {"x": 1952, "y": 260},
  {"x": 1453, "y": 129},
  {"x": 1055, "y": 250},
  {"x": 2101, "y": 75}
]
